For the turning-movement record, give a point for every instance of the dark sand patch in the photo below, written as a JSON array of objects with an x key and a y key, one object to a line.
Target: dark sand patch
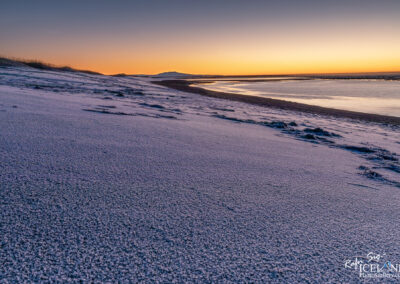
[
  {"x": 105, "y": 111},
  {"x": 152, "y": 105}
]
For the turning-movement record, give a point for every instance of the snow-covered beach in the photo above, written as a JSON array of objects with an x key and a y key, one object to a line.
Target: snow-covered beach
[{"x": 107, "y": 178}]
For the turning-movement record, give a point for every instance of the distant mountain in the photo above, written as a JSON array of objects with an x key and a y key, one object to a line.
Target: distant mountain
[{"x": 173, "y": 74}]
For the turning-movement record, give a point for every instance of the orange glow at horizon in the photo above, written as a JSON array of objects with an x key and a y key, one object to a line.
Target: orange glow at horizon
[
  {"x": 223, "y": 52},
  {"x": 205, "y": 37},
  {"x": 246, "y": 64}
]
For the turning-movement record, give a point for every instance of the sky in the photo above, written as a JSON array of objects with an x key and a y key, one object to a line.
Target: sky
[{"x": 205, "y": 36}]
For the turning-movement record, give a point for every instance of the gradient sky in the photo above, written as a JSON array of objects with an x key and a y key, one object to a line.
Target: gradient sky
[{"x": 205, "y": 36}]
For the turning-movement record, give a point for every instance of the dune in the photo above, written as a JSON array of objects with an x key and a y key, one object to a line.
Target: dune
[{"x": 114, "y": 178}]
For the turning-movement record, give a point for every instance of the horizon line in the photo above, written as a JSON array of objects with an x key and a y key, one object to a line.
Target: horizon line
[{"x": 51, "y": 65}]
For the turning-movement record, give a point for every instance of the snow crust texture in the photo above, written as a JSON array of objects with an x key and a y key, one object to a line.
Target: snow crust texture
[{"x": 106, "y": 179}]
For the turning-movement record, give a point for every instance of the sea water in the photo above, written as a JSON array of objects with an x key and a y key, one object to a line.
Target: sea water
[{"x": 369, "y": 96}]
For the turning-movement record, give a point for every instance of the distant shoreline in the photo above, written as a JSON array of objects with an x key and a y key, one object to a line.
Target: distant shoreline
[{"x": 185, "y": 86}]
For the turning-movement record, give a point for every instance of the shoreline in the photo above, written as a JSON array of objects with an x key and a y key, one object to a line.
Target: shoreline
[{"x": 184, "y": 85}]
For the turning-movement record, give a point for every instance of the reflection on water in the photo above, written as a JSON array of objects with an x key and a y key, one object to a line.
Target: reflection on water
[{"x": 370, "y": 96}]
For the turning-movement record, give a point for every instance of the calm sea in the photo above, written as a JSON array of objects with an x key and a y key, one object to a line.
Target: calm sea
[{"x": 370, "y": 96}]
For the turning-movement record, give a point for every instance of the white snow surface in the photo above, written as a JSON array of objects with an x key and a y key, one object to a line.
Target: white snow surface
[{"x": 117, "y": 179}]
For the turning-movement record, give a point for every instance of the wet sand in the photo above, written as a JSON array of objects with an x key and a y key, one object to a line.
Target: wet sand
[{"x": 185, "y": 86}]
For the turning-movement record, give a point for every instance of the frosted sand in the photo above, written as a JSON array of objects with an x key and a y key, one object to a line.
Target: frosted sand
[{"x": 157, "y": 185}]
